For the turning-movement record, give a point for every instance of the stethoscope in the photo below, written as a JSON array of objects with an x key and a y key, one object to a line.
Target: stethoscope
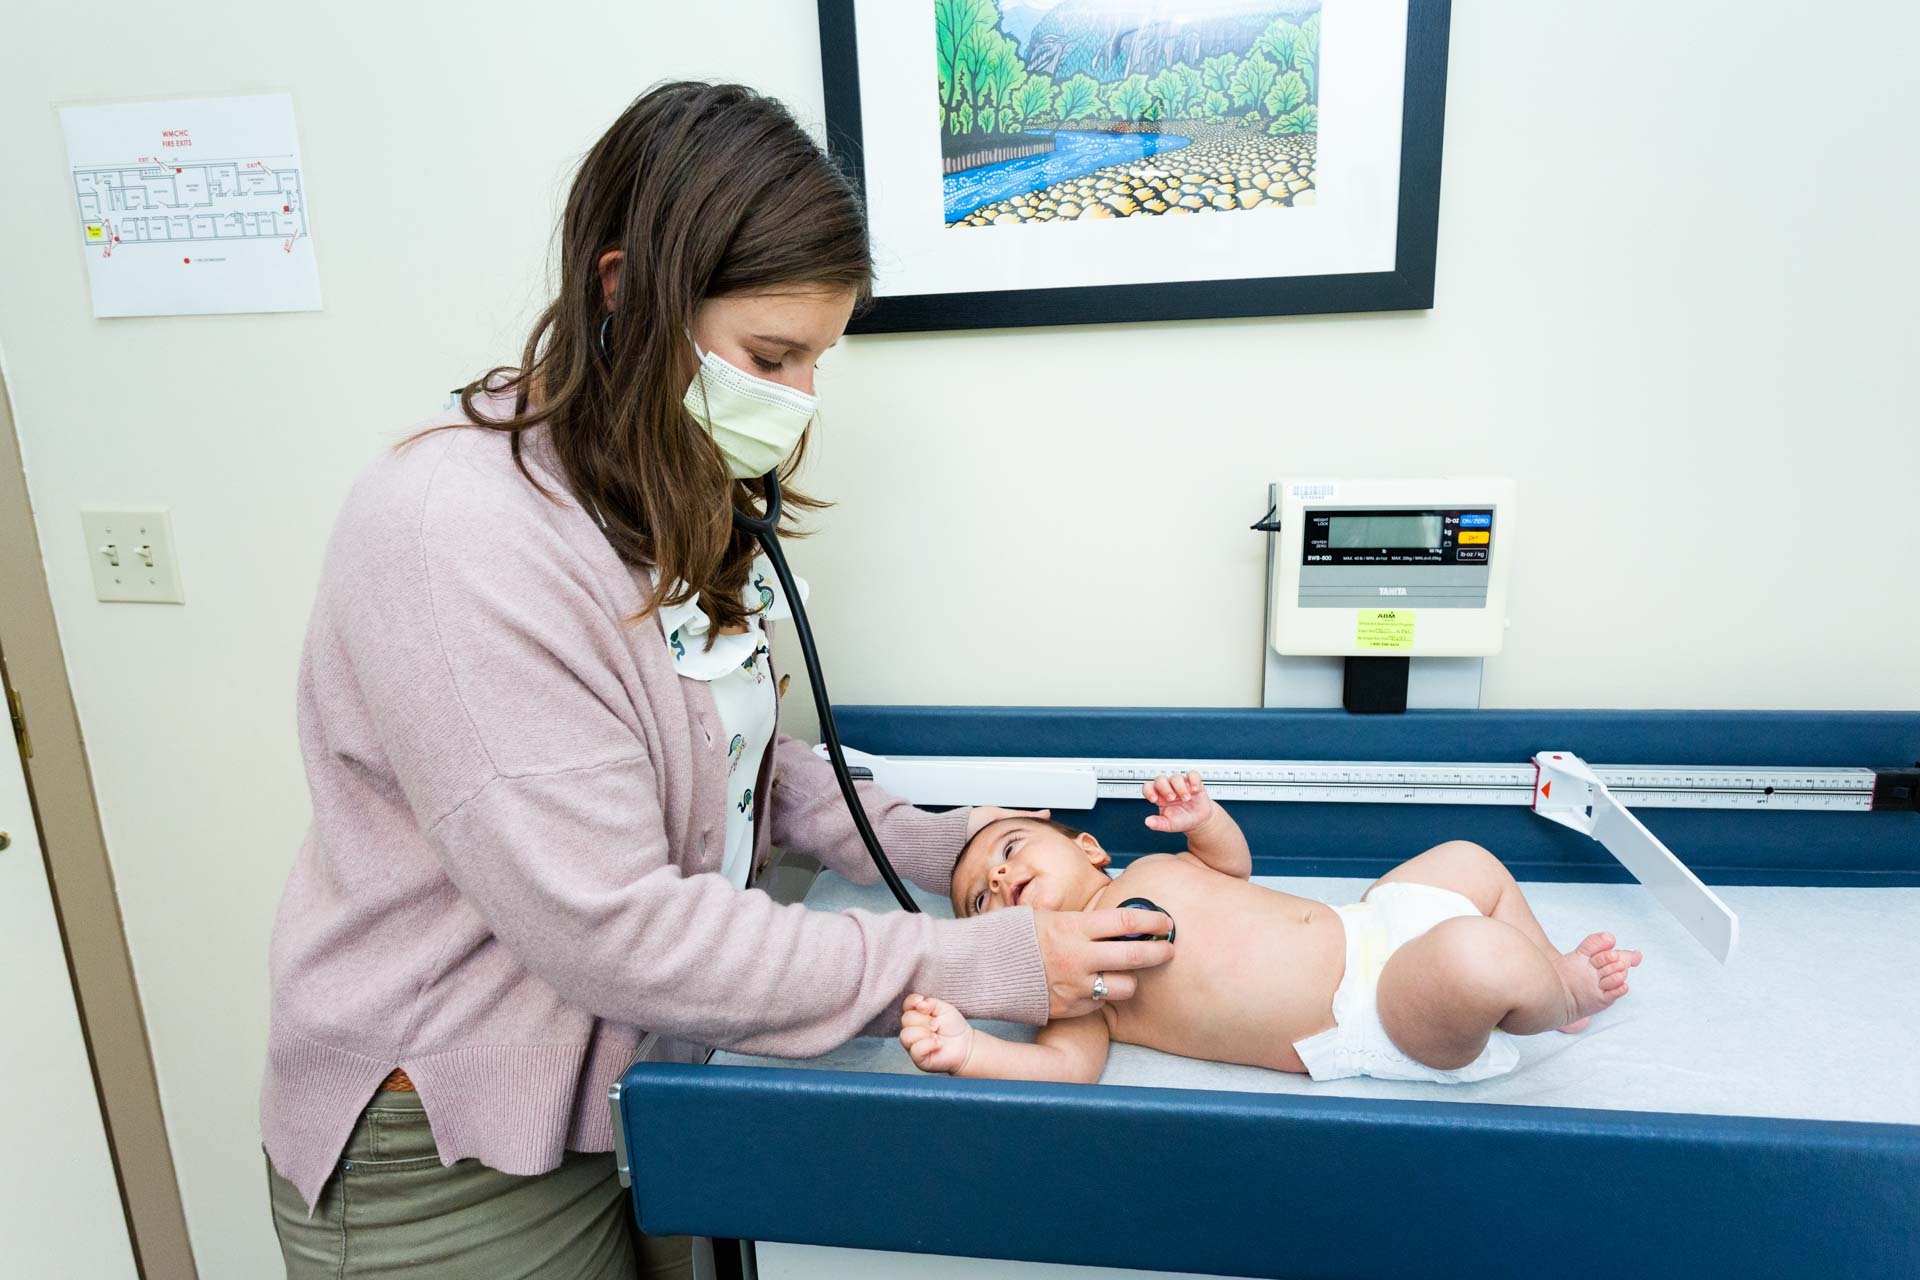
[{"x": 766, "y": 530}]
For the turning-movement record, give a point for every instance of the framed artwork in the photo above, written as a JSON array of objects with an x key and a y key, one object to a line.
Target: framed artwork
[{"x": 1044, "y": 162}]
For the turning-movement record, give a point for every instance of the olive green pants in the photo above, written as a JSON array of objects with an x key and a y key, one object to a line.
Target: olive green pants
[{"x": 392, "y": 1209}]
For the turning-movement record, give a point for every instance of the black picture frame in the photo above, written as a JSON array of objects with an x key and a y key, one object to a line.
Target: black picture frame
[{"x": 1408, "y": 287}]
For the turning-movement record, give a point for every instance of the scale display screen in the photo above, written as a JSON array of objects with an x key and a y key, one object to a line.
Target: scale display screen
[
  {"x": 1385, "y": 536},
  {"x": 1383, "y": 531}
]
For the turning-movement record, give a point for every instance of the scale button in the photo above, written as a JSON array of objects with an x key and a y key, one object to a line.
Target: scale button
[
  {"x": 1483, "y": 520},
  {"x": 1474, "y": 537}
]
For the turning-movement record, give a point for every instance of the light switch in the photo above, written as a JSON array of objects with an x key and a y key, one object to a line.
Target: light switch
[{"x": 131, "y": 552}]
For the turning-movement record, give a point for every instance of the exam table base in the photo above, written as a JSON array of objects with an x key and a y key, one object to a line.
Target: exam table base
[{"x": 812, "y": 1262}]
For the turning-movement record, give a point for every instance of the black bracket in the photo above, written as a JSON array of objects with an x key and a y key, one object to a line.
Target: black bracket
[
  {"x": 1896, "y": 790},
  {"x": 1376, "y": 686}
]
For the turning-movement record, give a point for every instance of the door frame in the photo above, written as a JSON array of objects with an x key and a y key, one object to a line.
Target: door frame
[{"x": 81, "y": 877}]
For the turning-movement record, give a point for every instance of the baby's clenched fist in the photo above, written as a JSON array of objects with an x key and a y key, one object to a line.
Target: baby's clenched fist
[{"x": 935, "y": 1035}]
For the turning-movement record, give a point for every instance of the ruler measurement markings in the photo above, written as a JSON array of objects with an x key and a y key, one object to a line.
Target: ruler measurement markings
[{"x": 1405, "y": 782}]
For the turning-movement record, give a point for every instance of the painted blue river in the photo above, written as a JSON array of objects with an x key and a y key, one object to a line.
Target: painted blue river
[{"x": 1075, "y": 153}]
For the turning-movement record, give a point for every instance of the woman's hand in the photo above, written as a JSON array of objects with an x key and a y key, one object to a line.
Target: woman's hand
[
  {"x": 980, "y": 815},
  {"x": 1077, "y": 947}
]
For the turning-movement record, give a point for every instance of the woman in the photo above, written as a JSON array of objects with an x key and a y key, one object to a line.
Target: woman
[{"x": 538, "y": 718}]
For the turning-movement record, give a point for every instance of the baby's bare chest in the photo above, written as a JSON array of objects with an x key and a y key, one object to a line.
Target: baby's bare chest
[{"x": 1253, "y": 968}]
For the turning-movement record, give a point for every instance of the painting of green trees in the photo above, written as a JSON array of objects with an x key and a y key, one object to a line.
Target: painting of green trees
[
  {"x": 1005, "y": 66},
  {"x": 1074, "y": 109}
]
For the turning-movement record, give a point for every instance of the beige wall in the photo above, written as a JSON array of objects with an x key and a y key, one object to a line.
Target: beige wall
[{"x": 1676, "y": 303}]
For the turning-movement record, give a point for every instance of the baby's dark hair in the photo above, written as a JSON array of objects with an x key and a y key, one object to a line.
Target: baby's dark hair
[{"x": 1071, "y": 833}]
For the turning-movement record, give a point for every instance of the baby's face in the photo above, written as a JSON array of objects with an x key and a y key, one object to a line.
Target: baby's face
[{"x": 1022, "y": 862}]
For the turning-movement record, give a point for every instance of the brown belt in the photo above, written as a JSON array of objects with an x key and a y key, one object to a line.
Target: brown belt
[{"x": 397, "y": 1082}]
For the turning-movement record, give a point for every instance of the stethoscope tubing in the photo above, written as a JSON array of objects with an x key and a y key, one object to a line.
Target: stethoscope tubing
[{"x": 766, "y": 530}]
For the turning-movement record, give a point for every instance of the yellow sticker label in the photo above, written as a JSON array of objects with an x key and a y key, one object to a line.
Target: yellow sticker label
[
  {"x": 96, "y": 232},
  {"x": 1387, "y": 629}
]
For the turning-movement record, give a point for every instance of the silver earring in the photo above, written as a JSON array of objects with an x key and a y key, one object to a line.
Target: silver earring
[{"x": 604, "y": 353}]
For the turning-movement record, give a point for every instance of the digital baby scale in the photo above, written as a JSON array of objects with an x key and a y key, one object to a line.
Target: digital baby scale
[{"x": 1385, "y": 593}]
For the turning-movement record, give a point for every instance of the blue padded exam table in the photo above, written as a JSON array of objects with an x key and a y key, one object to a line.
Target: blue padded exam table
[{"x": 1761, "y": 1119}]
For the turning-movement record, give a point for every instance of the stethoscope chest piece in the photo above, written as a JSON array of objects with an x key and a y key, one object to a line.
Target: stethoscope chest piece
[{"x": 1147, "y": 904}]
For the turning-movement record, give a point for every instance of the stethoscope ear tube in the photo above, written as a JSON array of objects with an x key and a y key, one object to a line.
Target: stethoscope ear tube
[{"x": 766, "y": 530}]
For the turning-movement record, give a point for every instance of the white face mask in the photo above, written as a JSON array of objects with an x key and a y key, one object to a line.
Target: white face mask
[{"x": 755, "y": 421}]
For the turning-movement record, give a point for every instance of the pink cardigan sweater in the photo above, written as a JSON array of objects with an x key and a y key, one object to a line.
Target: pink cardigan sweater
[{"x": 518, "y": 821}]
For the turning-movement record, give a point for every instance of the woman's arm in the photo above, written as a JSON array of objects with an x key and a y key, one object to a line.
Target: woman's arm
[
  {"x": 487, "y": 654},
  {"x": 571, "y": 872}
]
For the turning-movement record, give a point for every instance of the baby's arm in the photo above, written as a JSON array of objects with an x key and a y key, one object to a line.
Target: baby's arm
[
  {"x": 1212, "y": 836},
  {"x": 938, "y": 1038}
]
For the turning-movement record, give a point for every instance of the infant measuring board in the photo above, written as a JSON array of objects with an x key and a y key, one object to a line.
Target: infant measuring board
[{"x": 1593, "y": 800}]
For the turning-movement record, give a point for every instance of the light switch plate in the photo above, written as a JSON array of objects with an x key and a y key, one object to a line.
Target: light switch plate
[{"x": 131, "y": 552}]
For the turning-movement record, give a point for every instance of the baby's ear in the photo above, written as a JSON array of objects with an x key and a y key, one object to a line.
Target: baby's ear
[{"x": 1095, "y": 854}]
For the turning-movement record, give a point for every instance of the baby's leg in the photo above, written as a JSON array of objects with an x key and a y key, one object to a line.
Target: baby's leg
[
  {"x": 1483, "y": 880},
  {"x": 1480, "y": 878},
  {"x": 1442, "y": 994}
]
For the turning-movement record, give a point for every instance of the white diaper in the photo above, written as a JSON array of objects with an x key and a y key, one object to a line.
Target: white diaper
[{"x": 1392, "y": 915}]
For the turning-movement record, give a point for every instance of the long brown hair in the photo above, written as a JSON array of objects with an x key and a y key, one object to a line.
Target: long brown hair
[{"x": 707, "y": 190}]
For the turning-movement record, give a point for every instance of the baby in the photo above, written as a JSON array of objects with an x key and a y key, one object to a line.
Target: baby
[{"x": 1410, "y": 983}]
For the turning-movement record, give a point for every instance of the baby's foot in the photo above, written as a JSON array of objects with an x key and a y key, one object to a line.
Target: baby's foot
[{"x": 1595, "y": 975}]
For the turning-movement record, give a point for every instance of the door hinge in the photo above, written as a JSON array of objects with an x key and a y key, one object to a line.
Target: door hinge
[{"x": 19, "y": 725}]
